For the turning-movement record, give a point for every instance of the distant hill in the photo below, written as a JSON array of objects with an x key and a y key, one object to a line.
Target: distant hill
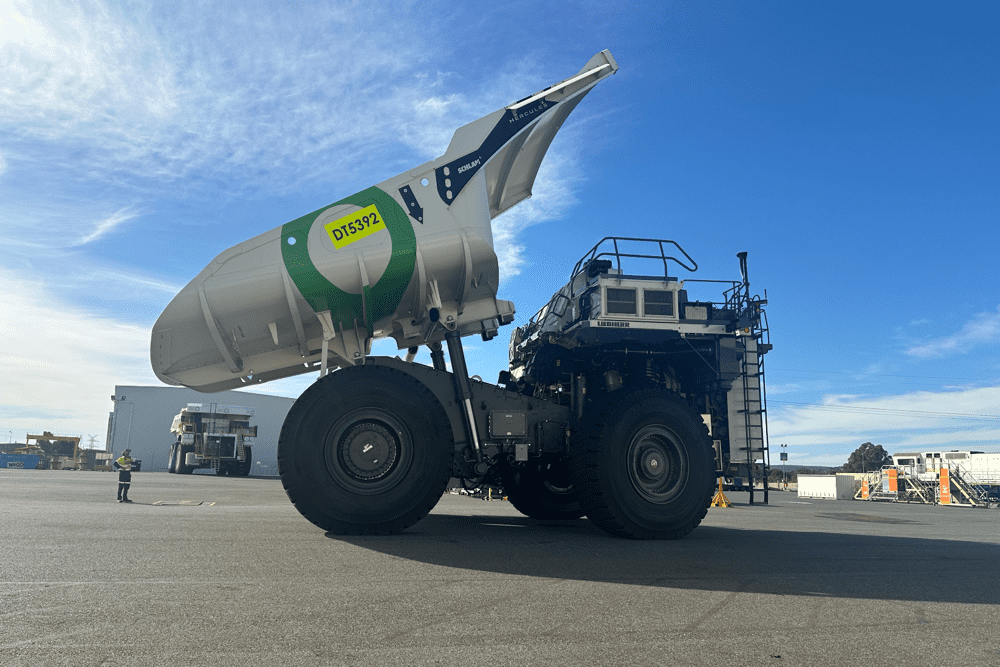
[{"x": 819, "y": 470}]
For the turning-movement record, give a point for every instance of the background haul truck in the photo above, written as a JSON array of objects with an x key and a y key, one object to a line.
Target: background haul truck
[
  {"x": 625, "y": 398},
  {"x": 212, "y": 436}
]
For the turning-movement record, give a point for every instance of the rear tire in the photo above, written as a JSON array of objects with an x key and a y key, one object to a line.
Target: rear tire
[
  {"x": 182, "y": 467},
  {"x": 643, "y": 466},
  {"x": 541, "y": 490},
  {"x": 366, "y": 450}
]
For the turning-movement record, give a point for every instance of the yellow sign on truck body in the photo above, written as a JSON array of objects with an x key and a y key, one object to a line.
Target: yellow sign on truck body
[{"x": 354, "y": 227}]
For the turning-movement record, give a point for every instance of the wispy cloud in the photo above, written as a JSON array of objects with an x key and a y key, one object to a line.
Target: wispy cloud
[
  {"x": 112, "y": 112},
  {"x": 983, "y": 328},
  {"x": 165, "y": 92},
  {"x": 553, "y": 196},
  {"x": 97, "y": 100},
  {"x": 62, "y": 361},
  {"x": 15, "y": 27},
  {"x": 873, "y": 369},
  {"x": 776, "y": 389},
  {"x": 945, "y": 419},
  {"x": 103, "y": 227},
  {"x": 102, "y": 276}
]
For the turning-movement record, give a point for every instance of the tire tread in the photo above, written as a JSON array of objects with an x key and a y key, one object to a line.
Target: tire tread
[
  {"x": 587, "y": 470},
  {"x": 312, "y": 398}
]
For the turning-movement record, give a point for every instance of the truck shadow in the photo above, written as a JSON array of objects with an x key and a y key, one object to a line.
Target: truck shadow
[{"x": 869, "y": 567}]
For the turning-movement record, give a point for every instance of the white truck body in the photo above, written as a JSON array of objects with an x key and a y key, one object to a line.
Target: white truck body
[{"x": 411, "y": 258}]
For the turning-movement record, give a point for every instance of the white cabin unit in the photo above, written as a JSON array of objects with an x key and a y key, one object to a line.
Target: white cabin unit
[
  {"x": 832, "y": 487},
  {"x": 978, "y": 467}
]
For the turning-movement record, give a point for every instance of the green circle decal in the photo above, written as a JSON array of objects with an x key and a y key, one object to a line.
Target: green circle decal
[{"x": 376, "y": 301}]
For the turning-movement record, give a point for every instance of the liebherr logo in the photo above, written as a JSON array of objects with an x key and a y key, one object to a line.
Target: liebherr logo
[{"x": 613, "y": 323}]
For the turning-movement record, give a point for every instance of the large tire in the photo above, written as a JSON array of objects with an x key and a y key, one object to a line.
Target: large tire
[
  {"x": 183, "y": 468},
  {"x": 541, "y": 490},
  {"x": 366, "y": 450},
  {"x": 172, "y": 458},
  {"x": 243, "y": 467},
  {"x": 643, "y": 466}
]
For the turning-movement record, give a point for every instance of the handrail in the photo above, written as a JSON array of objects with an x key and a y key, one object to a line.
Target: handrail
[
  {"x": 592, "y": 254},
  {"x": 964, "y": 477}
]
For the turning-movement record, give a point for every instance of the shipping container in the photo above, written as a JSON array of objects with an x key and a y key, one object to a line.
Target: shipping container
[{"x": 26, "y": 461}]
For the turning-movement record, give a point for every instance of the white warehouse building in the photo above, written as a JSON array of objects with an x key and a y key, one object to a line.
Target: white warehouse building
[{"x": 141, "y": 421}]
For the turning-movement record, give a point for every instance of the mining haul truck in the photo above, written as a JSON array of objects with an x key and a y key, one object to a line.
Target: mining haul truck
[
  {"x": 625, "y": 401},
  {"x": 212, "y": 436}
]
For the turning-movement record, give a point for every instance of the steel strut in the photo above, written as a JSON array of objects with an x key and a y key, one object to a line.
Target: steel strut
[
  {"x": 437, "y": 356},
  {"x": 463, "y": 388}
]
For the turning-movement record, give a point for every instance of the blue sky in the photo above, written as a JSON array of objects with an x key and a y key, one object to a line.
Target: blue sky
[{"x": 851, "y": 148}]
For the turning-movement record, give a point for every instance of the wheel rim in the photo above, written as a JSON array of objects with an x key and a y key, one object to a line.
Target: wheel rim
[
  {"x": 657, "y": 464},
  {"x": 557, "y": 480},
  {"x": 368, "y": 451}
]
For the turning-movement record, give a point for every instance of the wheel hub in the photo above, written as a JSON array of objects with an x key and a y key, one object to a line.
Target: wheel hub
[
  {"x": 657, "y": 464},
  {"x": 652, "y": 465},
  {"x": 368, "y": 451}
]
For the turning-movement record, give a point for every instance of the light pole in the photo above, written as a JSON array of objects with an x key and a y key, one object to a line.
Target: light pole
[{"x": 784, "y": 457}]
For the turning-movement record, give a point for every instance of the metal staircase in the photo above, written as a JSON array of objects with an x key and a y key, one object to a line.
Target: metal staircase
[
  {"x": 879, "y": 487},
  {"x": 884, "y": 490},
  {"x": 964, "y": 488},
  {"x": 968, "y": 487},
  {"x": 915, "y": 490}
]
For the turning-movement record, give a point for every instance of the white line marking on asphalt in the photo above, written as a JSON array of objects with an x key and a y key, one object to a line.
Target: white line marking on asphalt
[
  {"x": 189, "y": 503},
  {"x": 82, "y": 583}
]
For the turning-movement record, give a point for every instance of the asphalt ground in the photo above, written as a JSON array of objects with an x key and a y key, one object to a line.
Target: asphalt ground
[{"x": 223, "y": 571}]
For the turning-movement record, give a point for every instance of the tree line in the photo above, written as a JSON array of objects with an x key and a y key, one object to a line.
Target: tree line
[{"x": 866, "y": 458}]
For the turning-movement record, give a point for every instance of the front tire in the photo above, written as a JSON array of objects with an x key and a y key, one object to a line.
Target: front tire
[
  {"x": 172, "y": 458},
  {"x": 242, "y": 468},
  {"x": 643, "y": 466},
  {"x": 182, "y": 467},
  {"x": 366, "y": 450}
]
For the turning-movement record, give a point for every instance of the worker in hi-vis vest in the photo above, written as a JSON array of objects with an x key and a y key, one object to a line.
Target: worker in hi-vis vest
[{"x": 123, "y": 464}]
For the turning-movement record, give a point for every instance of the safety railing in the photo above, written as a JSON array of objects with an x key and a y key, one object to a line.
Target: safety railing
[{"x": 618, "y": 253}]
